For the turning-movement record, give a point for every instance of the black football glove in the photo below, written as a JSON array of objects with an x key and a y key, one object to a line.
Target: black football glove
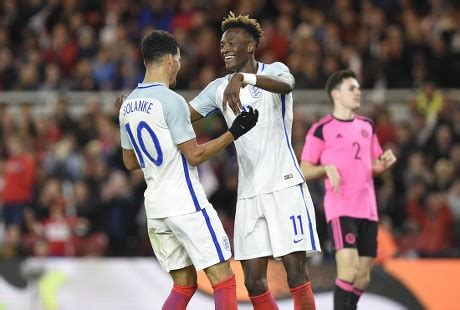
[{"x": 244, "y": 122}]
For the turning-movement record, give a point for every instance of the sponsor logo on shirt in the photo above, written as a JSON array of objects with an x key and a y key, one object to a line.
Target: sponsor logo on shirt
[
  {"x": 288, "y": 176},
  {"x": 255, "y": 91},
  {"x": 364, "y": 133},
  {"x": 339, "y": 136},
  {"x": 226, "y": 243}
]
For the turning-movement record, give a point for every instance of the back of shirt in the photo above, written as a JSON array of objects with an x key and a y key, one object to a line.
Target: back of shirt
[
  {"x": 350, "y": 146},
  {"x": 266, "y": 160},
  {"x": 153, "y": 121}
]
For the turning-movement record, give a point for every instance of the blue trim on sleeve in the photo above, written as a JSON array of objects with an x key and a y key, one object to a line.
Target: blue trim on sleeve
[
  {"x": 189, "y": 183},
  {"x": 310, "y": 226},
  {"x": 211, "y": 112},
  {"x": 288, "y": 142},
  {"x": 213, "y": 235}
]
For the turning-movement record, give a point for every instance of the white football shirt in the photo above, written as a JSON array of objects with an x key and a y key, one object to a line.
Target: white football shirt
[
  {"x": 153, "y": 121},
  {"x": 266, "y": 159}
]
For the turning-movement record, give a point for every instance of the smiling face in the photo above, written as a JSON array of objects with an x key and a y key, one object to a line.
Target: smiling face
[{"x": 237, "y": 48}]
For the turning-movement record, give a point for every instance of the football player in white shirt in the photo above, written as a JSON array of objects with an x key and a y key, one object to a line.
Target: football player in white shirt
[
  {"x": 157, "y": 137},
  {"x": 274, "y": 214}
]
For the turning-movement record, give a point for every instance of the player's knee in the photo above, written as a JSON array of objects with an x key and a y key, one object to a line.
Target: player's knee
[
  {"x": 219, "y": 272},
  {"x": 255, "y": 286},
  {"x": 348, "y": 273},
  {"x": 364, "y": 278}
]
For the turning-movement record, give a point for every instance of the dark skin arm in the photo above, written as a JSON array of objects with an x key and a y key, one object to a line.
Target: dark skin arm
[
  {"x": 194, "y": 115},
  {"x": 282, "y": 84}
]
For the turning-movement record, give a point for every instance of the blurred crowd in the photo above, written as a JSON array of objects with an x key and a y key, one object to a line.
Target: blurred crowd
[
  {"x": 93, "y": 44},
  {"x": 64, "y": 190}
]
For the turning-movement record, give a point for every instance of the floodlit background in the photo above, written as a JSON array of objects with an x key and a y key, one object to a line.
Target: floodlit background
[{"x": 65, "y": 193}]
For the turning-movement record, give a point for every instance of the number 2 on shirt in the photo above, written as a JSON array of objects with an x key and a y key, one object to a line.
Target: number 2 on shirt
[
  {"x": 143, "y": 125},
  {"x": 358, "y": 148}
]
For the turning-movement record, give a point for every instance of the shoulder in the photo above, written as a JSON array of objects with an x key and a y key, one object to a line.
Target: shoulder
[
  {"x": 318, "y": 127},
  {"x": 367, "y": 121},
  {"x": 274, "y": 68},
  {"x": 217, "y": 82}
]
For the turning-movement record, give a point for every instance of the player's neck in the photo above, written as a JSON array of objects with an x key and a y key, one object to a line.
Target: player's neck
[
  {"x": 156, "y": 76},
  {"x": 343, "y": 114},
  {"x": 250, "y": 67}
]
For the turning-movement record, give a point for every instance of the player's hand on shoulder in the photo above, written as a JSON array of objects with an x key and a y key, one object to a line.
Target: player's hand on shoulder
[
  {"x": 244, "y": 122},
  {"x": 232, "y": 94},
  {"x": 334, "y": 176},
  {"x": 118, "y": 102}
]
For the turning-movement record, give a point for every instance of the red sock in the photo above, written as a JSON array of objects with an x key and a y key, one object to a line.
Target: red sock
[
  {"x": 179, "y": 297},
  {"x": 264, "y": 301},
  {"x": 225, "y": 294},
  {"x": 303, "y": 297}
]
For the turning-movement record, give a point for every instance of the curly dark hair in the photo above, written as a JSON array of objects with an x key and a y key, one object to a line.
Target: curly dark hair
[
  {"x": 156, "y": 44},
  {"x": 251, "y": 25}
]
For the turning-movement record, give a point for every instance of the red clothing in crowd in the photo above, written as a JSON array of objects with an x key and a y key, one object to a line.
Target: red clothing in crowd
[{"x": 19, "y": 178}]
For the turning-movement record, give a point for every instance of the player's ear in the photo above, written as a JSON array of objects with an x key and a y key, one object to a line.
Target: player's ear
[
  {"x": 251, "y": 47},
  {"x": 335, "y": 94},
  {"x": 169, "y": 60}
]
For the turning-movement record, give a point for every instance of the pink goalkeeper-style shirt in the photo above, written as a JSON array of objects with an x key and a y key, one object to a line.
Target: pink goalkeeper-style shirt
[{"x": 351, "y": 146}]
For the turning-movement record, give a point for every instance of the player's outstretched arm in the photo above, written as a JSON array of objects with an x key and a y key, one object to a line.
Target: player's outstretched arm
[
  {"x": 196, "y": 154},
  {"x": 281, "y": 84}
]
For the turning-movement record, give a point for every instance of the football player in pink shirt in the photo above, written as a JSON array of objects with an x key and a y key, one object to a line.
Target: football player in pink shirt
[{"x": 344, "y": 149}]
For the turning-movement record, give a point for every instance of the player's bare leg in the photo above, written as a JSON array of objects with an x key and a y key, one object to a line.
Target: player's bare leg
[
  {"x": 362, "y": 279},
  {"x": 255, "y": 280},
  {"x": 224, "y": 285},
  {"x": 298, "y": 280},
  {"x": 347, "y": 261},
  {"x": 183, "y": 288}
]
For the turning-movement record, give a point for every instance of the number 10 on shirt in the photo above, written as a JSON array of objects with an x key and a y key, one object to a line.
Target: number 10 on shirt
[{"x": 140, "y": 142}]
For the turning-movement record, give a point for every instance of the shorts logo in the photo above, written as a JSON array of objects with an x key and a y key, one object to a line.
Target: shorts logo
[
  {"x": 364, "y": 133},
  {"x": 288, "y": 176},
  {"x": 350, "y": 238},
  {"x": 226, "y": 243},
  {"x": 255, "y": 91}
]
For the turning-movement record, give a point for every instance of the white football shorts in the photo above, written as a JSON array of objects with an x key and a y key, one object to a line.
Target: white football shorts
[
  {"x": 276, "y": 224},
  {"x": 197, "y": 238}
]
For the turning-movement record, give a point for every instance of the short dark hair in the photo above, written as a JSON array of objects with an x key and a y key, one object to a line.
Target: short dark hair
[
  {"x": 251, "y": 25},
  {"x": 336, "y": 78},
  {"x": 157, "y": 44}
]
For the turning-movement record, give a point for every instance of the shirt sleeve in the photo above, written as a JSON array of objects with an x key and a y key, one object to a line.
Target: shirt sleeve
[
  {"x": 177, "y": 117},
  {"x": 376, "y": 149},
  {"x": 125, "y": 142},
  {"x": 206, "y": 102},
  {"x": 276, "y": 69},
  {"x": 312, "y": 148}
]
